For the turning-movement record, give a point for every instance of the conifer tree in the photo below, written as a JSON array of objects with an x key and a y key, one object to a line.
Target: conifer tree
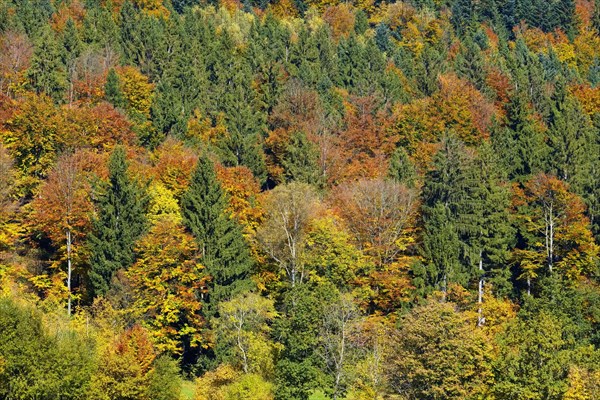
[
  {"x": 120, "y": 221},
  {"x": 444, "y": 188},
  {"x": 222, "y": 246},
  {"x": 301, "y": 161},
  {"x": 112, "y": 90},
  {"x": 571, "y": 142},
  {"x": 402, "y": 169},
  {"x": 484, "y": 225},
  {"x": 47, "y": 73},
  {"x": 520, "y": 144}
]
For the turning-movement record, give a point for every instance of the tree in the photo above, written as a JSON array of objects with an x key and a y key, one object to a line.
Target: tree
[
  {"x": 301, "y": 161},
  {"x": 439, "y": 354},
  {"x": 120, "y": 220},
  {"x": 128, "y": 369},
  {"x": 47, "y": 73},
  {"x": 402, "y": 169},
  {"x": 554, "y": 227},
  {"x": 168, "y": 284},
  {"x": 15, "y": 54},
  {"x": 242, "y": 333},
  {"x": 223, "y": 249},
  {"x": 534, "y": 358},
  {"x": 445, "y": 185},
  {"x": 34, "y": 136},
  {"x": 484, "y": 224},
  {"x": 112, "y": 90},
  {"x": 379, "y": 214},
  {"x": 35, "y": 362},
  {"x": 520, "y": 143},
  {"x": 62, "y": 210},
  {"x": 289, "y": 210},
  {"x": 571, "y": 142},
  {"x": 338, "y": 323}
]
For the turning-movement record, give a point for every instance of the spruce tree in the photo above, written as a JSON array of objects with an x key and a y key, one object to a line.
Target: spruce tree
[
  {"x": 402, "y": 169},
  {"x": 441, "y": 247},
  {"x": 521, "y": 143},
  {"x": 301, "y": 161},
  {"x": 47, "y": 73},
  {"x": 119, "y": 222},
  {"x": 445, "y": 186},
  {"x": 571, "y": 140},
  {"x": 112, "y": 90},
  {"x": 484, "y": 224},
  {"x": 225, "y": 253}
]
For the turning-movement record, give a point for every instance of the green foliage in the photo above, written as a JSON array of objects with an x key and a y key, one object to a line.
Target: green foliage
[
  {"x": 120, "y": 221},
  {"x": 112, "y": 90},
  {"x": 222, "y": 246},
  {"x": 47, "y": 73},
  {"x": 35, "y": 362},
  {"x": 440, "y": 354}
]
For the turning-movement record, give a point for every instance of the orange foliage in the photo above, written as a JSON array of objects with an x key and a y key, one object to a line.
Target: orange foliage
[
  {"x": 463, "y": 108},
  {"x": 557, "y": 216},
  {"x": 362, "y": 148},
  {"x": 584, "y": 10},
  {"x": 90, "y": 73},
  {"x": 72, "y": 10},
  {"x": 15, "y": 54},
  {"x": 136, "y": 343},
  {"x": 341, "y": 19},
  {"x": 589, "y": 98},
  {"x": 242, "y": 189},
  {"x": 500, "y": 83},
  {"x": 173, "y": 164},
  {"x": 101, "y": 127}
]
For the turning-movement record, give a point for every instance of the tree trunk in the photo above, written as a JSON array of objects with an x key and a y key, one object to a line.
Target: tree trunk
[
  {"x": 480, "y": 319},
  {"x": 69, "y": 270}
]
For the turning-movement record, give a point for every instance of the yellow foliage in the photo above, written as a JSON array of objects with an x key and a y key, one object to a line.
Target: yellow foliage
[
  {"x": 586, "y": 47},
  {"x": 138, "y": 92},
  {"x": 162, "y": 204},
  {"x": 211, "y": 385},
  {"x": 153, "y": 7},
  {"x": 284, "y": 9}
]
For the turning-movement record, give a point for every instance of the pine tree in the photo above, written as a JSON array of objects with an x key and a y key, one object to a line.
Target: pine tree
[
  {"x": 225, "y": 253},
  {"x": 119, "y": 222}
]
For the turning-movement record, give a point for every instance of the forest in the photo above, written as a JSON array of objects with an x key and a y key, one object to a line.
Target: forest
[{"x": 299, "y": 199}]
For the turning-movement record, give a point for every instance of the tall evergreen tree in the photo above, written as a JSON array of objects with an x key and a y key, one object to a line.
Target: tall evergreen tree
[
  {"x": 119, "y": 222},
  {"x": 224, "y": 250},
  {"x": 47, "y": 73},
  {"x": 520, "y": 143},
  {"x": 402, "y": 169},
  {"x": 112, "y": 89},
  {"x": 300, "y": 162},
  {"x": 444, "y": 188},
  {"x": 571, "y": 140},
  {"x": 484, "y": 224}
]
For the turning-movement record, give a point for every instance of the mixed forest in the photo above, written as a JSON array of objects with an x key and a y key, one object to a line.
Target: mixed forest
[{"x": 299, "y": 199}]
